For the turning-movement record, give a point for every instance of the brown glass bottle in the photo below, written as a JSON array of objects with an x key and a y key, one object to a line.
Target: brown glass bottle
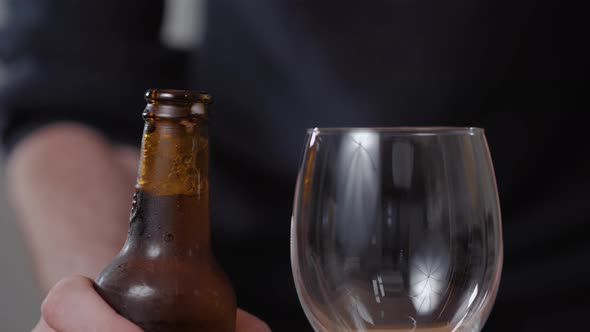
[{"x": 165, "y": 278}]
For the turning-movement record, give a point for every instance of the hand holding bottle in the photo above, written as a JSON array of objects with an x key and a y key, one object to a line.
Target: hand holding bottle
[{"x": 73, "y": 305}]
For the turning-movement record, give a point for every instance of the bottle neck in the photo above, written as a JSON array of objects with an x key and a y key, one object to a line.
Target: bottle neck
[
  {"x": 170, "y": 213},
  {"x": 169, "y": 225},
  {"x": 174, "y": 157}
]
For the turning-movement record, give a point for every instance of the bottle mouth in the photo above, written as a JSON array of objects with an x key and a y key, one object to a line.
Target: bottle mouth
[
  {"x": 176, "y": 104},
  {"x": 177, "y": 97}
]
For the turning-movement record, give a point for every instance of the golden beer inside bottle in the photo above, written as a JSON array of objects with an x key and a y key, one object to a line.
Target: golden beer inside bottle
[{"x": 174, "y": 158}]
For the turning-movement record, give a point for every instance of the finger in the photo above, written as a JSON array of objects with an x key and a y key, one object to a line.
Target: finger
[
  {"x": 42, "y": 327},
  {"x": 73, "y": 305},
  {"x": 246, "y": 322}
]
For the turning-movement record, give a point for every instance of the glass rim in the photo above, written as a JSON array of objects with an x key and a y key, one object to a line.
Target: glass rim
[{"x": 401, "y": 131}]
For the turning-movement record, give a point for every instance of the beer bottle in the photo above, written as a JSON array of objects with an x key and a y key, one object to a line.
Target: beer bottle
[{"x": 165, "y": 277}]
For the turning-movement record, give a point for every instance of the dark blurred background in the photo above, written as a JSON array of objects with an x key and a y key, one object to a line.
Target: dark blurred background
[{"x": 19, "y": 307}]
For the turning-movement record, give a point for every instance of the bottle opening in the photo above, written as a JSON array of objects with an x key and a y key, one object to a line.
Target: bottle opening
[
  {"x": 176, "y": 104},
  {"x": 179, "y": 97}
]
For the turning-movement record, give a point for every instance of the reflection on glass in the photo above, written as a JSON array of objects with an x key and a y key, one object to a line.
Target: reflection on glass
[
  {"x": 396, "y": 229},
  {"x": 428, "y": 274},
  {"x": 358, "y": 162}
]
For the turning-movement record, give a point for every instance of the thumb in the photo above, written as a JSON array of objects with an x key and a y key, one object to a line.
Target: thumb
[{"x": 246, "y": 322}]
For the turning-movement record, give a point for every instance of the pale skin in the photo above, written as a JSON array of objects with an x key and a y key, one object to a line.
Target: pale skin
[{"x": 71, "y": 191}]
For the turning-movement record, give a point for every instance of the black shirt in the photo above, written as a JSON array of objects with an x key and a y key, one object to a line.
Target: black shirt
[{"x": 278, "y": 67}]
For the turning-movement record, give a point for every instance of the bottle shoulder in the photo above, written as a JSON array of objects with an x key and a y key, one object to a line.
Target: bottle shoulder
[
  {"x": 132, "y": 285},
  {"x": 163, "y": 272}
]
